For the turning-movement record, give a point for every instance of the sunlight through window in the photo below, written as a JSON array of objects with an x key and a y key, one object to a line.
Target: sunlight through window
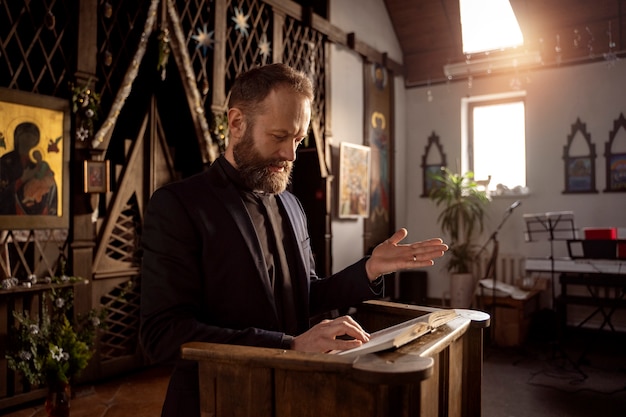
[
  {"x": 488, "y": 25},
  {"x": 499, "y": 144}
]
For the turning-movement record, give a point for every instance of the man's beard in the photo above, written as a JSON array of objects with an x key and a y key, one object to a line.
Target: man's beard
[{"x": 254, "y": 169}]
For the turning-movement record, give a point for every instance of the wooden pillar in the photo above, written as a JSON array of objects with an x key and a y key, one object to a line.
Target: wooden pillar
[
  {"x": 277, "y": 36},
  {"x": 219, "y": 57},
  {"x": 82, "y": 230}
]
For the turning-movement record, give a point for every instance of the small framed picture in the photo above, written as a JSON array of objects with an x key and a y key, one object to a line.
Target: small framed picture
[
  {"x": 96, "y": 176},
  {"x": 616, "y": 176},
  {"x": 354, "y": 180}
]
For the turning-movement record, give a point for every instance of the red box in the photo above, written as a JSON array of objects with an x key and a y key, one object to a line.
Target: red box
[{"x": 607, "y": 233}]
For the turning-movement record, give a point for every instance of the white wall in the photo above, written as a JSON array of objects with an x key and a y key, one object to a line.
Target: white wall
[
  {"x": 555, "y": 99},
  {"x": 347, "y": 126},
  {"x": 369, "y": 20}
]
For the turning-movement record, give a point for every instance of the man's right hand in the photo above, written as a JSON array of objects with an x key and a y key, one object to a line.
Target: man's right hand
[{"x": 323, "y": 337}]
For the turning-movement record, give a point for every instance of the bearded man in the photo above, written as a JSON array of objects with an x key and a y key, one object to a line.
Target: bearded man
[{"x": 226, "y": 253}]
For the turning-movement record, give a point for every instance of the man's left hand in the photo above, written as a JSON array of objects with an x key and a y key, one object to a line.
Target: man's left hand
[{"x": 391, "y": 256}]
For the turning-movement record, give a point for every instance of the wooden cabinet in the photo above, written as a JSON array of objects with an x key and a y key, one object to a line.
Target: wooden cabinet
[{"x": 511, "y": 317}]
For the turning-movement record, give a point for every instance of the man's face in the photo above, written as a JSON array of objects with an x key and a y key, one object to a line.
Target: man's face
[{"x": 265, "y": 153}]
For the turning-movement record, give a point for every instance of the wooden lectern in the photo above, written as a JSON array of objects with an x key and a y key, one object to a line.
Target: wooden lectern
[{"x": 438, "y": 374}]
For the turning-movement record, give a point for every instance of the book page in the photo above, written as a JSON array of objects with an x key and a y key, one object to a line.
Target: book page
[
  {"x": 441, "y": 317},
  {"x": 402, "y": 333}
]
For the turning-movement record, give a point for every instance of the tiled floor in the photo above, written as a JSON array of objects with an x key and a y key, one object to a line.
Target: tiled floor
[{"x": 139, "y": 394}]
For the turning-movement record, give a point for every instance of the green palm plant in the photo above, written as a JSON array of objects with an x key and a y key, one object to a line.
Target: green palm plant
[{"x": 463, "y": 214}]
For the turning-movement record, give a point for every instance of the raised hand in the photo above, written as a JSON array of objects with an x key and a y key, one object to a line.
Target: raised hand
[{"x": 391, "y": 256}]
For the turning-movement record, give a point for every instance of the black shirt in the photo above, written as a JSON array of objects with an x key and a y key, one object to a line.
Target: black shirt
[{"x": 274, "y": 233}]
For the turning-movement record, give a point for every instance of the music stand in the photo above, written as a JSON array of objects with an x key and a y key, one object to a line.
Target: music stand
[{"x": 552, "y": 226}]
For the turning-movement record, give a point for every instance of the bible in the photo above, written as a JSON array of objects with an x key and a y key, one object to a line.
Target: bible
[{"x": 402, "y": 333}]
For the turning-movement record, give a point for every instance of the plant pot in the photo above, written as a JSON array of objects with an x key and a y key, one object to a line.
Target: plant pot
[
  {"x": 58, "y": 400},
  {"x": 461, "y": 290}
]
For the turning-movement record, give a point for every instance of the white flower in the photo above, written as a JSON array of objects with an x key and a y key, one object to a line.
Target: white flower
[
  {"x": 95, "y": 321},
  {"x": 82, "y": 134},
  {"x": 25, "y": 355},
  {"x": 57, "y": 353},
  {"x": 59, "y": 302},
  {"x": 89, "y": 113},
  {"x": 34, "y": 329}
]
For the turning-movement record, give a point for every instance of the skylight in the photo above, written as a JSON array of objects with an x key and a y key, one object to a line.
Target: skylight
[{"x": 488, "y": 25}]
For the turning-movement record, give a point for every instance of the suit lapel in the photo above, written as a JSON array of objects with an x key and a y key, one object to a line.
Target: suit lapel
[
  {"x": 229, "y": 196},
  {"x": 297, "y": 222},
  {"x": 300, "y": 234}
]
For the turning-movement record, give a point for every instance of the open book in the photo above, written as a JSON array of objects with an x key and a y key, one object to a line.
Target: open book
[{"x": 403, "y": 333}]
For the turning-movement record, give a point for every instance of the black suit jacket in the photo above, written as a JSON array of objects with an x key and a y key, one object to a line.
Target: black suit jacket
[{"x": 204, "y": 277}]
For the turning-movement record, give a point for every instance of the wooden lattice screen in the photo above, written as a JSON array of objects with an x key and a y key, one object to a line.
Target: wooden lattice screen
[
  {"x": 304, "y": 49},
  {"x": 122, "y": 307},
  {"x": 32, "y": 252},
  {"x": 193, "y": 17},
  {"x": 243, "y": 52},
  {"x": 37, "y": 44},
  {"x": 120, "y": 25}
]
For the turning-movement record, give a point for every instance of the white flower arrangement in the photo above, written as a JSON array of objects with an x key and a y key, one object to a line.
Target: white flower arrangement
[{"x": 52, "y": 349}]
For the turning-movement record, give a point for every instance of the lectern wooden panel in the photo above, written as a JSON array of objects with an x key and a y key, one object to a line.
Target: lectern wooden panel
[{"x": 439, "y": 374}]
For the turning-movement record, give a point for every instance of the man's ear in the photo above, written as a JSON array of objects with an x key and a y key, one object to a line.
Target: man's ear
[{"x": 236, "y": 123}]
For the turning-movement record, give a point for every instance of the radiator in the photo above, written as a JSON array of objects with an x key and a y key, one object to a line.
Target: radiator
[{"x": 510, "y": 267}]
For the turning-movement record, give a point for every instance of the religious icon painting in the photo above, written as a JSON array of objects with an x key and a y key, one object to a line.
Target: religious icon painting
[
  {"x": 34, "y": 161},
  {"x": 354, "y": 180}
]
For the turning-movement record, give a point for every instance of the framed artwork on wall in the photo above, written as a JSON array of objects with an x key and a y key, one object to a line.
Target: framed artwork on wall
[
  {"x": 616, "y": 157},
  {"x": 429, "y": 182},
  {"x": 354, "y": 181},
  {"x": 616, "y": 177},
  {"x": 579, "y": 174},
  {"x": 34, "y": 161},
  {"x": 579, "y": 156},
  {"x": 96, "y": 176},
  {"x": 433, "y": 160},
  {"x": 378, "y": 135}
]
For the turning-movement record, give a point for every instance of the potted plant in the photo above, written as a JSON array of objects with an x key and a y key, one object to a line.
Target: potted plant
[
  {"x": 53, "y": 347},
  {"x": 463, "y": 210}
]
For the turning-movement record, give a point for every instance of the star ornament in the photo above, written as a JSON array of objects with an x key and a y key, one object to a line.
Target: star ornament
[
  {"x": 264, "y": 46},
  {"x": 204, "y": 39},
  {"x": 241, "y": 21}
]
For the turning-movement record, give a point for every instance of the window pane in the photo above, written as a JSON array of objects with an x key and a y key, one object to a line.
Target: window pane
[
  {"x": 499, "y": 144},
  {"x": 488, "y": 25}
]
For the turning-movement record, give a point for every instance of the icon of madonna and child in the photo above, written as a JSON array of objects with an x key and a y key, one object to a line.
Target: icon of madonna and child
[{"x": 27, "y": 181}]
